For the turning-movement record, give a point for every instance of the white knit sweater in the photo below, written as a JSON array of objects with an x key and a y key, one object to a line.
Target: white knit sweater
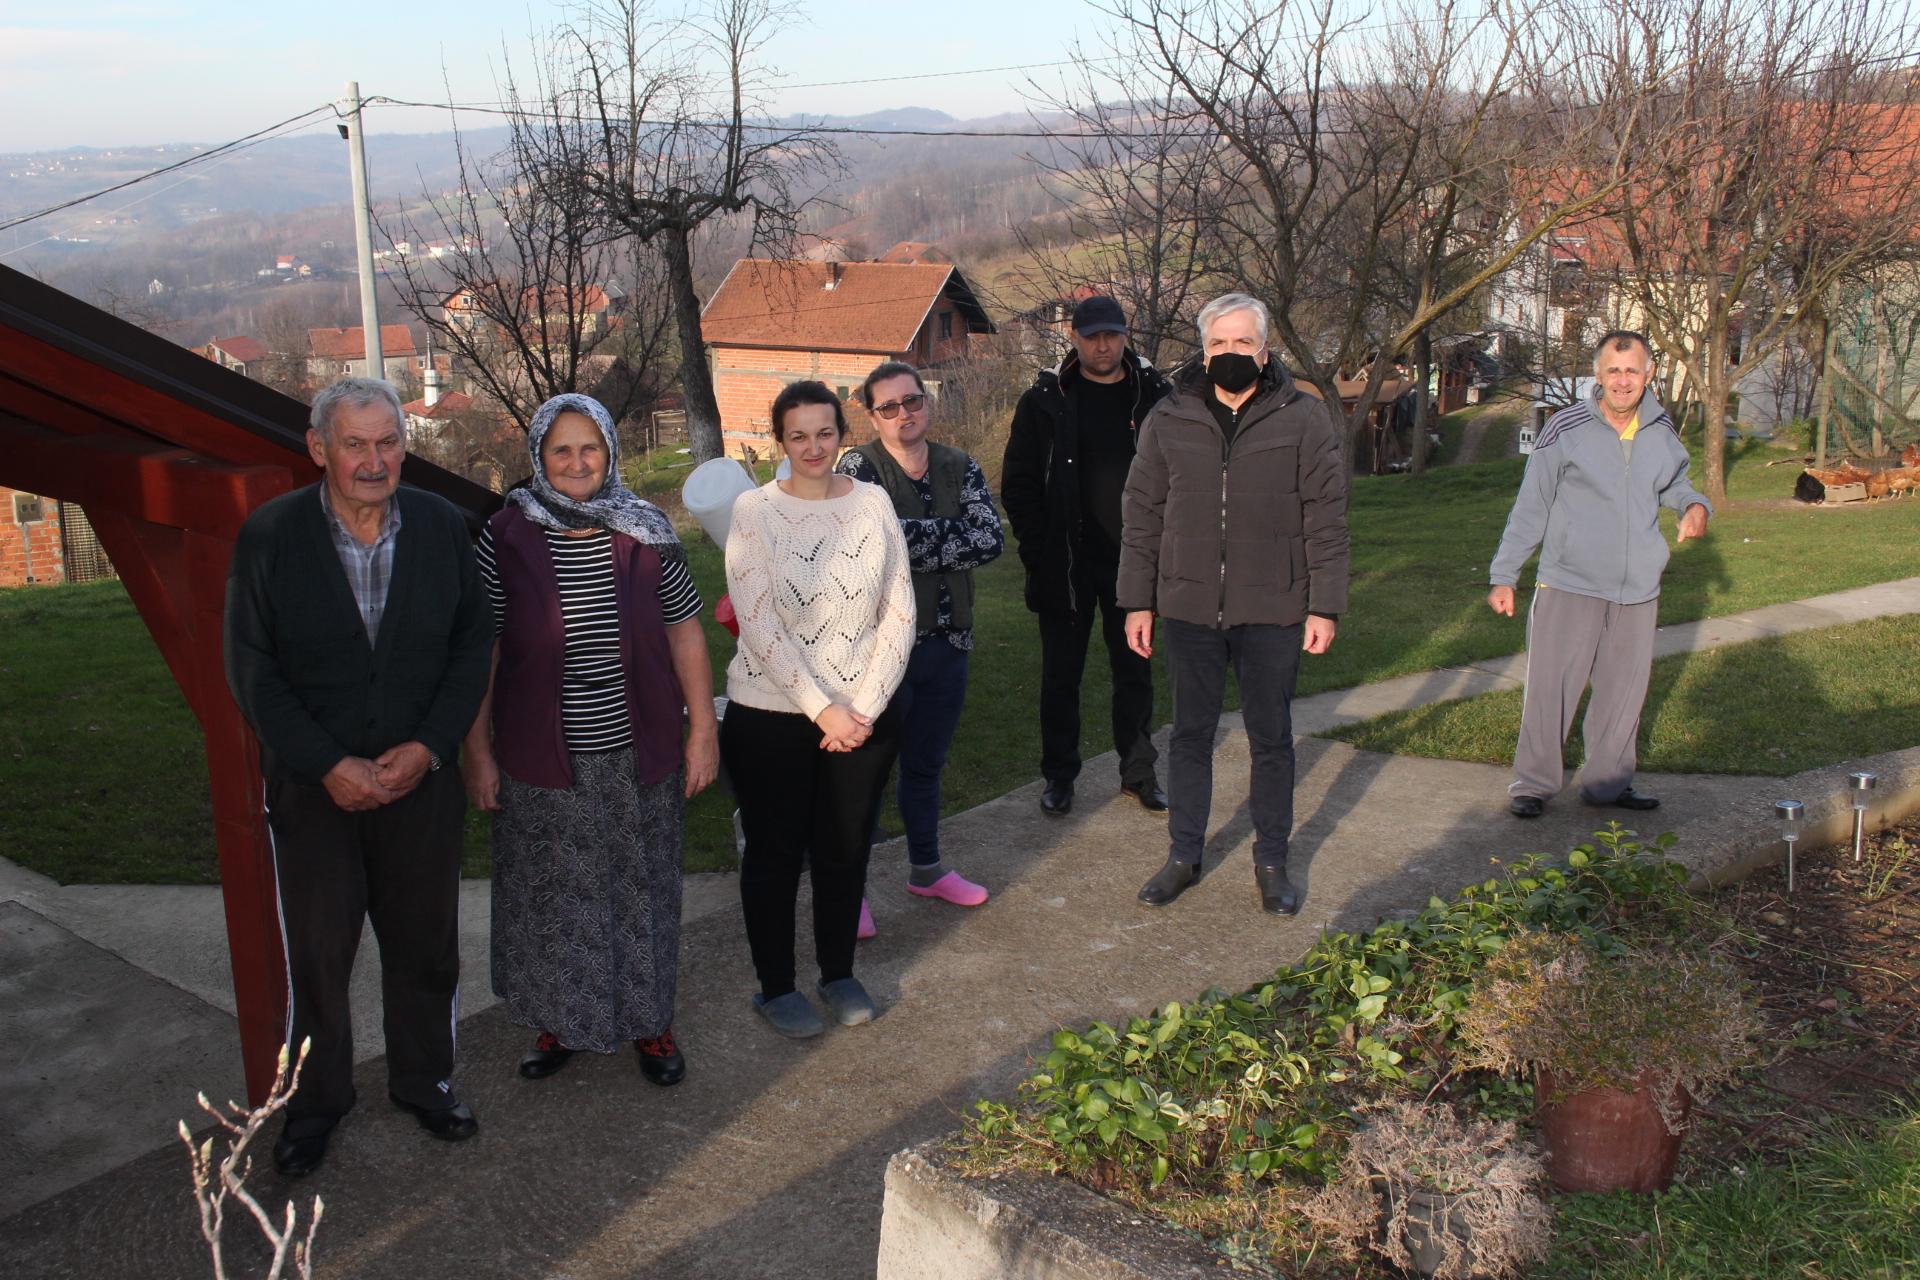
[{"x": 824, "y": 599}]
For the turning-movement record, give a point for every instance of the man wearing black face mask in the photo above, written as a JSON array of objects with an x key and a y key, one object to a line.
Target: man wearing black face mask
[{"x": 1235, "y": 532}]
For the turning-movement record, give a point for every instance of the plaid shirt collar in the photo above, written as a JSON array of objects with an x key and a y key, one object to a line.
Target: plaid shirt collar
[{"x": 368, "y": 566}]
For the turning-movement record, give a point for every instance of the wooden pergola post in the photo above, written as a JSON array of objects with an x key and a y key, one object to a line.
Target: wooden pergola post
[{"x": 167, "y": 519}]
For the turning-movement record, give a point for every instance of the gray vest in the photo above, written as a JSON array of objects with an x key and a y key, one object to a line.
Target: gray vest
[{"x": 947, "y": 467}]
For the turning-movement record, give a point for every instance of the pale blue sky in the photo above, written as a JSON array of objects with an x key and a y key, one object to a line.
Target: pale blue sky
[{"x": 145, "y": 71}]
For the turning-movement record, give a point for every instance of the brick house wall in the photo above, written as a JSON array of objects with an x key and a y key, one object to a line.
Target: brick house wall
[
  {"x": 746, "y": 379},
  {"x": 31, "y": 552}
]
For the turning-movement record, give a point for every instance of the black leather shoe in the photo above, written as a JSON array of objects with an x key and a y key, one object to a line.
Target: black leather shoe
[
  {"x": 1057, "y": 799},
  {"x": 547, "y": 1056},
  {"x": 1526, "y": 806},
  {"x": 1150, "y": 796},
  {"x": 1168, "y": 883},
  {"x": 298, "y": 1157},
  {"x": 1628, "y": 799},
  {"x": 453, "y": 1124},
  {"x": 661, "y": 1060},
  {"x": 1277, "y": 894}
]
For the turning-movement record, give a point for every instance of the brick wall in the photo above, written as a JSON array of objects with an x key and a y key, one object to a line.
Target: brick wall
[
  {"x": 29, "y": 552},
  {"x": 746, "y": 379}
]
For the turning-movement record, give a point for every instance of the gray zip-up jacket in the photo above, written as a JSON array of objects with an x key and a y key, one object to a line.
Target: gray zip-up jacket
[{"x": 1593, "y": 508}]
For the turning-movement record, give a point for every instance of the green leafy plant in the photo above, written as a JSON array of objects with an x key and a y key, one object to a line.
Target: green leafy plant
[
  {"x": 1233, "y": 1094},
  {"x": 1613, "y": 1014}
]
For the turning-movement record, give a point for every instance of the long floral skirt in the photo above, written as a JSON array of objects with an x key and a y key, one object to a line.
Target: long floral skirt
[{"x": 586, "y": 903}]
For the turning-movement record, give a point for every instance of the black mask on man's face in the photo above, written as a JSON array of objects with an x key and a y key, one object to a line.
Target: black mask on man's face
[{"x": 1233, "y": 371}]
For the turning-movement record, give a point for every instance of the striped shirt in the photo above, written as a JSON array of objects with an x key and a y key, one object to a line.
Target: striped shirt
[
  {"x": 593, "y": 707},
  {"x": 369, "y": 566}
]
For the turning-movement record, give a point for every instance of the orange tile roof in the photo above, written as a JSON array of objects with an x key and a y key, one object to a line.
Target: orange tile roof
[
  {"x": 870, "y": 306},
  {"x": 245, "y": 350},
  {"x": 351, "y": 344},
  {"x": 447, "y": 405}
]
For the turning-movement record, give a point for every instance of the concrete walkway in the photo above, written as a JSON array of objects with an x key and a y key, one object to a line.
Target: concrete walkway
[{"x": 115, "y": 1008}]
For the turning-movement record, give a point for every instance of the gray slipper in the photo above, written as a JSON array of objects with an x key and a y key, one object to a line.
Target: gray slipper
[
  {"x": 849, "y": 1001},
  {"x": 791, "y": 1014}
]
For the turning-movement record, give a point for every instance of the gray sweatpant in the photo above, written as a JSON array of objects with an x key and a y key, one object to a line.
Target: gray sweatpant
[{"x": 1573, "y": 640}]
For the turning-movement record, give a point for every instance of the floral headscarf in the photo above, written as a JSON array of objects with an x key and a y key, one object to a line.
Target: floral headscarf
[{"x": 614, "y": 507}]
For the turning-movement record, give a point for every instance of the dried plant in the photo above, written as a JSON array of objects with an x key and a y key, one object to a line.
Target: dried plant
[
  {"x": 216, "y": 1184},
  {"x": 1488, "y": 1177},
  {"x": 1673, "y": 1016}
]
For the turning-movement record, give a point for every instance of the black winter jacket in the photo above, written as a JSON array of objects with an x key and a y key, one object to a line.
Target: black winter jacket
[
  {"x": 1254, "y": 531},
  {"x": 1040, "y": 481}
]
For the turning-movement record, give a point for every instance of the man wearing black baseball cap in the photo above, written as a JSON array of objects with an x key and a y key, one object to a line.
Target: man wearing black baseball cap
[{"x": 1066, "y": 464}]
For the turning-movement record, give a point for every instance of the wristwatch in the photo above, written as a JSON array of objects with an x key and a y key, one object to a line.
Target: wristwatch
[{"x": 433, "y": 761}]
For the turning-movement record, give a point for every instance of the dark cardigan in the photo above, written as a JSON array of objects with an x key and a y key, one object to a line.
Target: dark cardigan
[
  {"x": 529, "y": 738},
  {"x": 297, "y": 655}
]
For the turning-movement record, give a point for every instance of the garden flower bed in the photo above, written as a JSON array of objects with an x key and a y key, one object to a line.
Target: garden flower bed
[{"x": 1225, "y": 1121}]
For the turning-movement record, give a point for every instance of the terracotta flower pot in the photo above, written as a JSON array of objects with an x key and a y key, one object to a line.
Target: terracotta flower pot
[{"x": 1607, "y": 1140}]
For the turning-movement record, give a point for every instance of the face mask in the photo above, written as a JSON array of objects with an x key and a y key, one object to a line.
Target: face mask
[{"x": 1233, "y": 371}]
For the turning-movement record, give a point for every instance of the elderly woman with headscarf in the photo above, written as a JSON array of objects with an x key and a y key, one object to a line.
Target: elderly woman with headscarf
[{"x": 578, "y": 749}]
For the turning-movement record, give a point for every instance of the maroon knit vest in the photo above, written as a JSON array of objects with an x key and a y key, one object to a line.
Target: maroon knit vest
[{"x": 529, "y": 741}]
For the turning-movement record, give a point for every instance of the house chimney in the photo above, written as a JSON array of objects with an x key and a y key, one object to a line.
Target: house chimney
[{"x": 834, "y": 270}]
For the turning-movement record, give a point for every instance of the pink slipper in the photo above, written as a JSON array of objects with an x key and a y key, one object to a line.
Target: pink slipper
[
  {"x": 865, "y": 928},
  {"x": 954, "y": 888}
]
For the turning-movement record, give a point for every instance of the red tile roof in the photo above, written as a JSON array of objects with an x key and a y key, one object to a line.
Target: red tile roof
[
  {"x": 445, "y": 407},
  {"x": 351, "y": 344},
  {"x": 245, "y": 350},
  {"x": 914, "y": 251},
  {"x": 828, "y": 306}
]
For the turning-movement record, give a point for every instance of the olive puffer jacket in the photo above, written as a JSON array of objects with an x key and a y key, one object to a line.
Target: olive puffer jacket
[{"x": 1221, "y": 533}]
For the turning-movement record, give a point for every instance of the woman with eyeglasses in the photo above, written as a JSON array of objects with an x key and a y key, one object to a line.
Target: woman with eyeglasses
[
  {"x": 818, "y": 574},
  {"x": 947, "y": 516}
]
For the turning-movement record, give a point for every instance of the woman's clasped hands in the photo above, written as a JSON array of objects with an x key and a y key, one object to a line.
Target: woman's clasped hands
[{"x": 842, "y": 728}]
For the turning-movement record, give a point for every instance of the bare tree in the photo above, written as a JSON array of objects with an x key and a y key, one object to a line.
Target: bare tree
[
  {"x": 1368, "y": 191},
  {"x": 677, "y": 136},
  {"x": 1775, "y": 159},
  {"x": 1140, "y": 183},
  {"x": 530, "y": 295}
]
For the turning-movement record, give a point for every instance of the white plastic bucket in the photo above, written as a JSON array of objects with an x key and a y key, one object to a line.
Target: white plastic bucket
[{"x": 710, "y": 491}]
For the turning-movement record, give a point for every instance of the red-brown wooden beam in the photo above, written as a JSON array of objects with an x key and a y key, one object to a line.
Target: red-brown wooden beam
[
  {"x": 144, "y": 479},
  {"x": 167, "y": 519},
  {"x": 78, "y": 381}
]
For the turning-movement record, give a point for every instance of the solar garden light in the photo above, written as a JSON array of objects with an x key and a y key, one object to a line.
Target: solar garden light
[
  {"x": 1789, "y": 813},
  {"x": 1858, "y": 784}
]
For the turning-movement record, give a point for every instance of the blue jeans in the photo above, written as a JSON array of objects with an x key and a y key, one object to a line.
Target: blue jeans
[
  {"x": 1266, "y": 660},
  {"x": 929, "y": 699}
]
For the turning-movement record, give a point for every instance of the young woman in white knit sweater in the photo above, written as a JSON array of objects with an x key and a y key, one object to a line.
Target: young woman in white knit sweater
[{"x": 817, "y": 568}]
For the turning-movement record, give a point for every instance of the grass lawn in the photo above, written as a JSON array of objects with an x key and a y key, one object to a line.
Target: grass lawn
[
  {"x": 1846, "y": 1206},
  {"x": 126, "y": 800},
  {"x": 1774, "y": 707}
]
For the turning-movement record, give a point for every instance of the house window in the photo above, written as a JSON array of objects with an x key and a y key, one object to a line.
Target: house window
[
  {"x": 946, "y": 324},
  {"x": 28, "y": 509}
]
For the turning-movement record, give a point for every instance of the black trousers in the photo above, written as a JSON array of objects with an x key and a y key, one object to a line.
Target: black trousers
[
  {"x": 400, "y": 866},
  {"x": 802, "y": 806},
  {"x": 1265, "y": 661},
  {"x": 1063, "y": 658}
]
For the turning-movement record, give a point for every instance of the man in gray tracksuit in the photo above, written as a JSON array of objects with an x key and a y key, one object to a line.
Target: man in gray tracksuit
[{"x": 1599, "y": 474}]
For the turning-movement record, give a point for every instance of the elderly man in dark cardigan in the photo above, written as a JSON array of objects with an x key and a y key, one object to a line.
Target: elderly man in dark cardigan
[{"x": 357, "y": 642}]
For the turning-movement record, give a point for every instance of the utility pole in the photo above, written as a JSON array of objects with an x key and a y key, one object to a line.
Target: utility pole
[{"x": 355, "y": 134}]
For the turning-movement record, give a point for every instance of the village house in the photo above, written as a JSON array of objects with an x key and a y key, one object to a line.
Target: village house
[
  {"x": 243, "y": 355},
  {"x": 342, "y": 353},
  {"x": 596, "y": 308},
  {"x": 44, "y": 541},
  {"x": 773, "y": 321}
]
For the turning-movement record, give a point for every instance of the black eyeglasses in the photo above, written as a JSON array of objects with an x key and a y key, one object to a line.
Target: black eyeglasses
[{"x": 912, "y": 404}]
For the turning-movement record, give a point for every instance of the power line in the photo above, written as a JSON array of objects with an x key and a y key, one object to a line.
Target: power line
[{"x": 258, "y": 136}]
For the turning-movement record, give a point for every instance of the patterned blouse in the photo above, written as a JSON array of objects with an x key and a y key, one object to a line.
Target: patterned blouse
[{"x": 945, "y": 544}]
